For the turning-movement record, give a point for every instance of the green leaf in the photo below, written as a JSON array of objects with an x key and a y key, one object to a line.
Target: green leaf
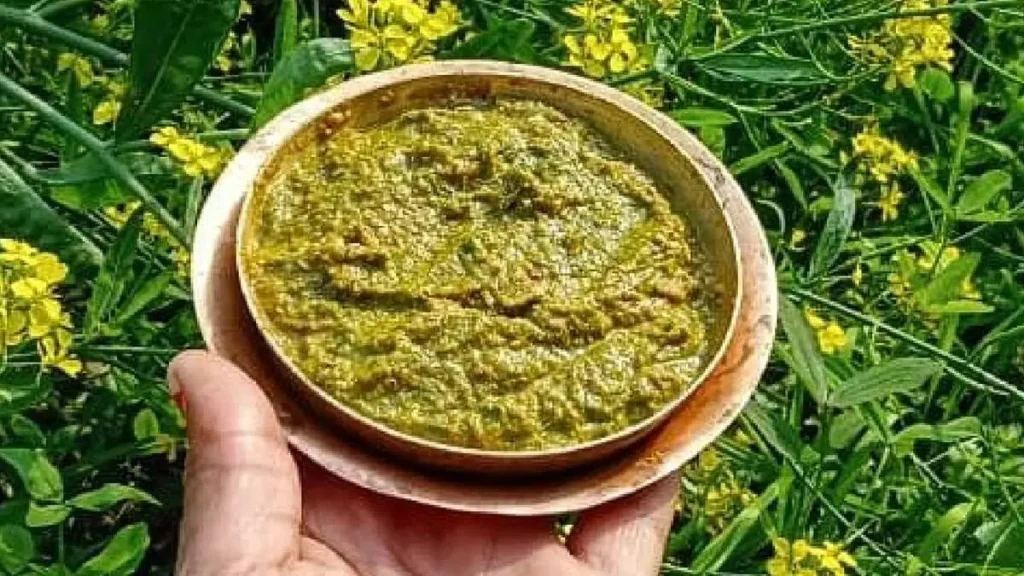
[
  {"x": 286, "y": 29},
  {"x": 507, "y": 40},
  {"x": 793, "y": 182},
  {"x": 806, "y": 361},
  {"x": 1008, "y": 549},
  {"x": 89, "y": 168},
  {"x": 947, "y": 284},
  {"x": 26, "y": 431},
  {"x": 308, "y": 66},
  {"x": 837, "y": 228},
  {"x": 932, "y": 188},
  {"x": 121, "y": 556},
  {"x": 145, "y": 425},
  {"x": 714, "y": 138},
  {"x": 22, "y": 389},
  {"x": 982, "y": 190},
  {"x": 943, "y": 530},
  {"x": 43, "y": 515},
  {"x": 16, "y": 548},
  {"x": 776, "y": 431},
  {"x": 114, "y": 275},
  {"x": 844, "y": 429},
  {"x": 763, "y": 68},
  {"x": 108, "y": 495},
  {"x": 173, "y": 45},
  {"x": 947, "y": 432},
  {"x": 759, "y": 158},
  {"x": 90, "y": 195},
  {"x": 27, "y": 217},
  {"x": 722, "y": 548},
  {"x": 936, "y": 83},
  {"x": 899, "y": 375},
  {"x": 698, "y": 117},
  {"x": 40, "y": 478},
  {"x": 152, "y": 289}
]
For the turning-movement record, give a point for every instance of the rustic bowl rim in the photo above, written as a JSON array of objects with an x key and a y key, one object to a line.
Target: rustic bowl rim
[{"x": 287, "y": 125}]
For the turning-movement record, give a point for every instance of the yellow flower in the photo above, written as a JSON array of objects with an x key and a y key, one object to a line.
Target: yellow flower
[
  {"x": 724, "y": 501},
  {"x": 904, "y": 45},
  {"x": 858, "y": 275},
  {"x": 834, "y": 559},
  {"x": 164, "y": 136},
  {"x": 106, "y": 112},
  {"x": 880, "y": 157},
  {"x": 797, "y": 239},
  {"x": 29, "y": 310},
  {"x": 195, "y": 158},
  {"x": 801, "y": 558},
  {"x": 890, "y": 202},
  {"x": 603, "y": 45},
  {"x": 831, "y": 336},
  {"x": 14, "y": 252},
  {"x": 55, "y": 348},
  {"x": 77, "y": 65},
  {"x": 385, "y": 33}
]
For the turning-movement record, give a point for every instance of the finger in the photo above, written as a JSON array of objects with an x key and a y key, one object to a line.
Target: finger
[
  {"x": 242, "y": 499},
  {"x": 382, "y": 536},
  {"x": 627, "y": 537}
]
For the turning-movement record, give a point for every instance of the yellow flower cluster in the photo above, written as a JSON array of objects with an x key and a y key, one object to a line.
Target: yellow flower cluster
[
  {"x": 724, "y": 501},
  {"x": 723, "y": 495},
  {"x": 119, "y": 215},
  {"x": 604, "y": 44},
  {"x": 801, "y": 558},
  {"x": 911, "y": 270},
  {"x": 881, "y": 157},
  {"x": 906, "y": 44},
  {"x": 831, "y": 336},
  {"x": 109, "y": 108},
  {"x": 196, "y": 158},
  {"x": 884, "y": 160},
  {"x": 77, "y": 65},
  {"x": 385, "y": 33},
  {"x": 29, "y": 309}
]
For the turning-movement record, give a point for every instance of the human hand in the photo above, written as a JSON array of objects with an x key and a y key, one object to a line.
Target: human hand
[{"x": 252, "y": 508}]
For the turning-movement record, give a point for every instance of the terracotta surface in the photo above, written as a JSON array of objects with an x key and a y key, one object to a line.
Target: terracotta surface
[{"x": 229, "y": 331}]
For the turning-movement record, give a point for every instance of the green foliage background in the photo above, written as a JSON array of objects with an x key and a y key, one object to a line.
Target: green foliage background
[{"x": 888, "y": 421}]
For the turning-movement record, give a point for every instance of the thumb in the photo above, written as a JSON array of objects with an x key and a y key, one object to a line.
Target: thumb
[
  {"x": 627, "y": 537},
  {"x": 242, "y": 499}
]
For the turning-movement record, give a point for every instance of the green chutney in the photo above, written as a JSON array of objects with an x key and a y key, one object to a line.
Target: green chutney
[{"x": 488, "y": 275}]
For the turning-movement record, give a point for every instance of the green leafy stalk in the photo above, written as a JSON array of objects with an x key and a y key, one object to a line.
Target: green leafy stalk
[
  {"x": 921, "y": 345},
  {"x": 31, "y": 22},
  {"x": 93, "y": 144}
]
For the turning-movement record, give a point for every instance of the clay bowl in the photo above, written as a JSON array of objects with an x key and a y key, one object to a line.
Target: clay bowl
[{"x": 519, "y": 483}]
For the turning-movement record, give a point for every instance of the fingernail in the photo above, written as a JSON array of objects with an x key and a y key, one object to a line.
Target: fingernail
[{"x": 177, "y": 393}]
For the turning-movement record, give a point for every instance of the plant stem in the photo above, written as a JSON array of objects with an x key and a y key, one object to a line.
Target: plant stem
[
  {"x": 118, "y": 170},
  {"x": 34, "y": 23},
  {"x": 921, "y": 345},
  {"x": 59, "y": 6}
]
